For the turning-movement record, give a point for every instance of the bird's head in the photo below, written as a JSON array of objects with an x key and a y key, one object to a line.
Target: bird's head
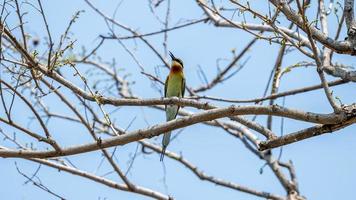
[{"x": 176, "y": 62}]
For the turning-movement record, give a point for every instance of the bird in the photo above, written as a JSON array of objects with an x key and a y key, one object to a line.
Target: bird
[{"x": 173, "y": 87}]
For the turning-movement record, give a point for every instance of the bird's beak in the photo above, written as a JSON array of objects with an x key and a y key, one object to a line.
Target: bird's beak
[{"x": 172, "y": 56}]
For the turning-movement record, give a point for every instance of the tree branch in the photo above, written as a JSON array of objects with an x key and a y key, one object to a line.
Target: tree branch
[{"x": 309, "y": 132}]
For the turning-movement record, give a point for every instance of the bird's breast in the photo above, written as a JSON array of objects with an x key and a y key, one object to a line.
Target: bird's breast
[{"x": 174, "y": 87}]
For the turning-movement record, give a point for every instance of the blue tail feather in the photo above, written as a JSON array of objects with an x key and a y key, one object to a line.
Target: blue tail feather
[
  {"x": 165, "y": 142},
  {"x": 162, "y": 153}
]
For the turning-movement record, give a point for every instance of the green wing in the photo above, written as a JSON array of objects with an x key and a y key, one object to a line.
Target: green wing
[
  {"x": 183, "y": 86},
  {"x": 166, "y": 86}
]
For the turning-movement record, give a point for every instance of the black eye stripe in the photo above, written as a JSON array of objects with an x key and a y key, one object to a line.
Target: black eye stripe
[{"x": 179, "y": 61}]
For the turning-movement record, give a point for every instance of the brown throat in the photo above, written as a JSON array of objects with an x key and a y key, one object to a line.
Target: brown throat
[{"x": 176, "y": 69}]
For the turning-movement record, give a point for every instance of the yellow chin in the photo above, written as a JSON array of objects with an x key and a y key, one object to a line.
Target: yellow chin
[{"x": 176, "y": 64}]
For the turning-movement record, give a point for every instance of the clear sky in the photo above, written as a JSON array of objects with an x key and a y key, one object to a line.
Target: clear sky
[{"x": 325, "y": 165}]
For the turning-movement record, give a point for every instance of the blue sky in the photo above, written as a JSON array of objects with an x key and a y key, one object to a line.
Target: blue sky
[{"x": 324, "y": 165}]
